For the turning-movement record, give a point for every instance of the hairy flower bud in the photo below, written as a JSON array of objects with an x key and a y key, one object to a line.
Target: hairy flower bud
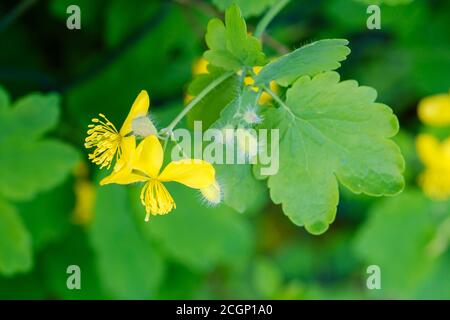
[
  {"x": 143, "y": 127},
  {"x": 212, "y": 194}
]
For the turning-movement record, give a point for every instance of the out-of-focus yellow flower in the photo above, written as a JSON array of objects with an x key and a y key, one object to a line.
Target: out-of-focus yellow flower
[
  {"x": 200, "y": 66},
  {"x": 84, "y": 195},
  {"x": 435, "y": 156},
  {"x": 265, "y": 97},
  {"x": 145, "y": 166},
  {"x": 84, "y": 206},
  {"x": 435, "y": 110},
  {"x": 110, "y": 143}
]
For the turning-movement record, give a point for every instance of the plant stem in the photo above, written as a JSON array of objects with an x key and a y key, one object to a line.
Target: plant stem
[
  {"x": 268, "y": 17},
  {"x": 15, "y": 13},
  {"x": 278, "y": 100},
  {"x": 180, "y": 149},
  {"x": 194, "y": 101},
  {"x": 441, "y": 240}
]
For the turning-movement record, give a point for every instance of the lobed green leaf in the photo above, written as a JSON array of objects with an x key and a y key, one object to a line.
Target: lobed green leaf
[
  {"x": 311, "y": 59},
  {"x": 231, "y": 47},
  {"x": 15, "y": 242},
  {"x": 332, "y": 131}
]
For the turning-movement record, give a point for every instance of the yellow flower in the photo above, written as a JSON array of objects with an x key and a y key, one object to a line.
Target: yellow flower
[
  {"x": 435, "y": 156},
  {"x": 110, "y": 143},
  {"x": 145, "y": 166},
  {"x": 265, "y": 97},
  {"x": 84, "y": 195},
  {"x": 85, "y": 198},
  {"x": 200, "y": 66},
  {"x": 435, "y": 110}
]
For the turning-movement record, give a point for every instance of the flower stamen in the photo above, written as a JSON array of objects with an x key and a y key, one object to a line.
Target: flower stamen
[
  {"x": 156, "y": 199},
  {"x": 104, "y": 137}
]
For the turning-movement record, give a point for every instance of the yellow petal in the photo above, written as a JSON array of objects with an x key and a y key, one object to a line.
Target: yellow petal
[
  {"x": 122, "y": 177},
  {"x": 138, "y": 109},
  {"x": 156, "y": 199},
  {"x": 122, "y": 172},
  {"x": 149, "y": 156},
  {"x": 127, "y": 150},
  {"x": 192, "y": 173}
]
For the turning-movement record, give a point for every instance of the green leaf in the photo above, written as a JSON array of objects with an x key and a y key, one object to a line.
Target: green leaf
[
  {"x": 388, "y": 2},
  {"x": 330, "y": 131},
  {"x": 47, "y": 216},
  {"x": 29, "y": 118},
  {"x": 129, "y": 266},
  {"x": 197, "y": 236},
  {"x": 267, "y": 278},
  {"x": 57, "y": 257},
  {"x": 30, "y": 168},
  {"x": 249, "y": 7},
  {"x": 181, "y": 283},
  {"x": 22, "y": 286},
  {"x": 395, "y": 238},
  {"x": 230, "y": 46},
  {"x": 311, "y": 59},
  {"x": 29, "y": 164},
  {"x": 4, "y": 100},
  {"x": 15, "y": 242},
  {"x": 241, "y": 190},
  {"x": 437, "y": 285},
  {"x": 208, "y": 109}
]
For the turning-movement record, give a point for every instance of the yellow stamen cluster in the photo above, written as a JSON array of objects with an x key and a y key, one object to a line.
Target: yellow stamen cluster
[
  {"x": 156, "y": 199},
  {"x": 104, "y": 137}
]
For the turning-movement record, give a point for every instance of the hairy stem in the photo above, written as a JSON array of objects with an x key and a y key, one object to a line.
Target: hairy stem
[
  {"x": 15, "y": 13},
  {"x": 278, "y": 100},
  {"x": 441, "y": 240},
  {"x": 196, "y": 100}
]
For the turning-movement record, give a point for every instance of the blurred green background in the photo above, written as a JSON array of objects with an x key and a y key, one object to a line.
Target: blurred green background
[{"x": 53, "y": 214}]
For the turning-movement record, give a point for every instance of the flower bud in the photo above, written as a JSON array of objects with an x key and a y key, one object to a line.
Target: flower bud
[
  {"x": 251, "y": 116},
  {"x": 143, "y": 127},
  {"x": 247, "y": 143},
  {"x": 212, "y": 194}
]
